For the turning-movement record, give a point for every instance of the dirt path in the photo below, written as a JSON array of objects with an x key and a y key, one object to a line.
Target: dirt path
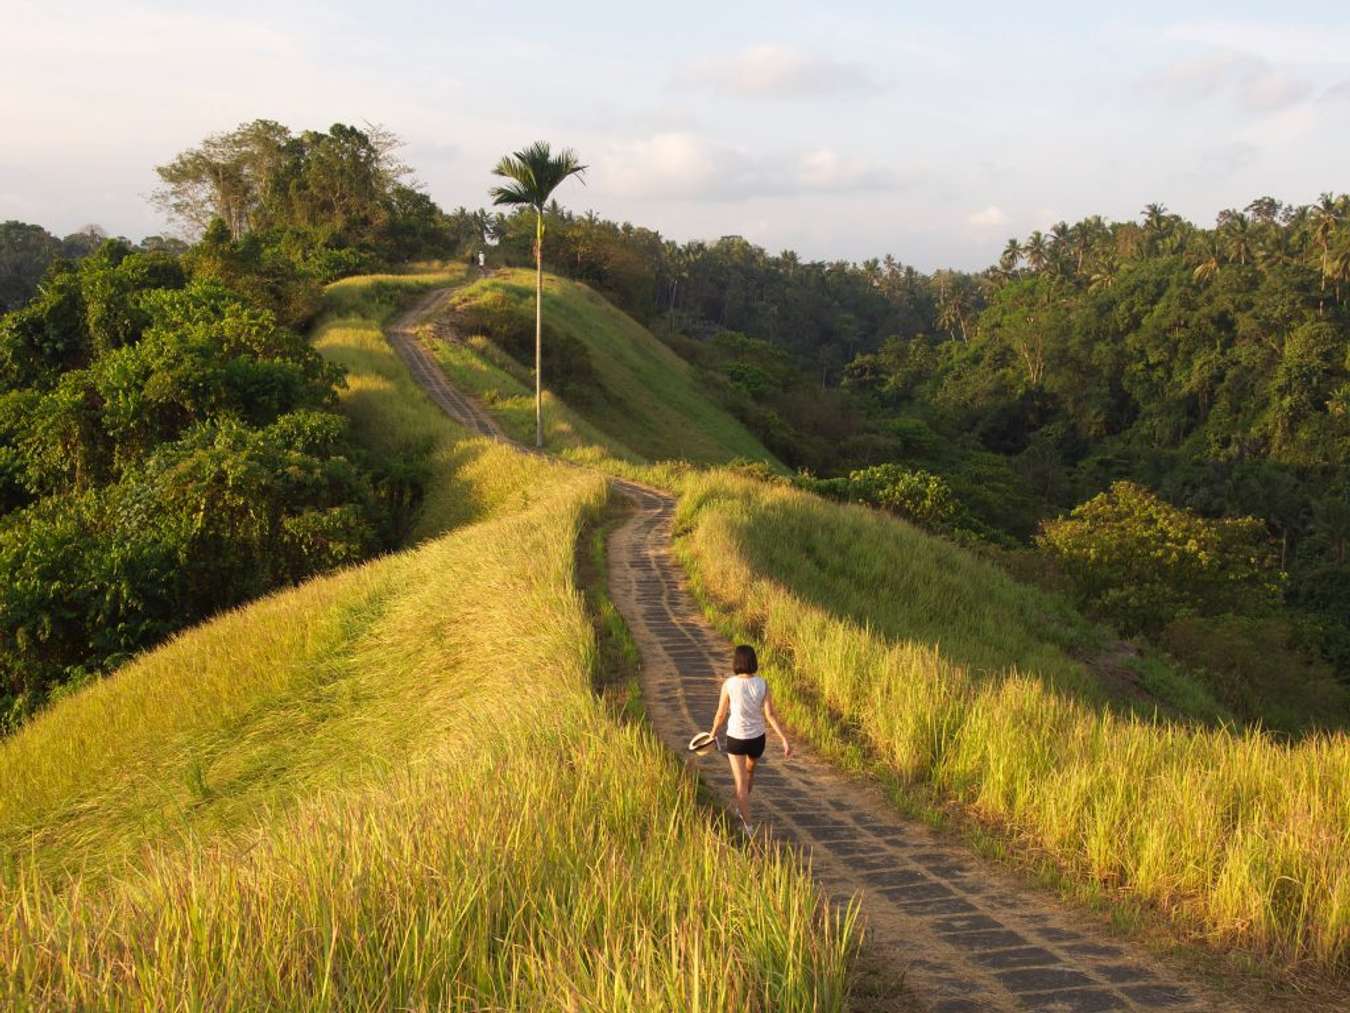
[
  {"x": 967, "y": 935},
  {"x": 402, "y": 335}
]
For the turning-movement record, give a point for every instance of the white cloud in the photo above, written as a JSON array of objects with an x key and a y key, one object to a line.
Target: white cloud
[
  {"x": 91, "y": 91},
  {"x": 687, "y": 165},
  {"x": 1282, "y": 128},
  {"x": 781, "y": 72},
  {"x": 1250, "y": 81},
  {"x": 175, "y": 76},
  {"x": 989, "y": 217},
  {"x": 1337, "y": 92},
  {"x": 1225, "y": 160},
  {"x": 1272, "y": 40},
  {"x": 825, "y": 169},
  {"x": 672, "y": 164}
]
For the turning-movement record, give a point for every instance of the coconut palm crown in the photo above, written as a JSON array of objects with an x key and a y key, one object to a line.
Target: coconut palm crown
[{"x": 534, "y": 173}]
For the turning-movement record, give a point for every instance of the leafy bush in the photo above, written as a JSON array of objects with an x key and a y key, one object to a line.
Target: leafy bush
[
  {"x": 217, "y": 517},
  {"x": 916, "y": 494},
  {"x": 274, "y": 272},
  {"x": 912, "y": 493},
  {"x": 1143, "y": 562}
]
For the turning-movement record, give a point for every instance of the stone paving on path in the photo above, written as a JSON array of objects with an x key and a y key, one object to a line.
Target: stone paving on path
[{"x": 967, "y": 934}]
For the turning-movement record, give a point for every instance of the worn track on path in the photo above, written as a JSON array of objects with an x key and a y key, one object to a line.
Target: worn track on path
[{"x": 966, "y": 934}]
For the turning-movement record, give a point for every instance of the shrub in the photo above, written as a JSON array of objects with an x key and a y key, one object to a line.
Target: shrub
[
  {"x": 1143, "y": 562},
  {"x": 912, "y": 493},
  {"x": 918, "y": 495}
]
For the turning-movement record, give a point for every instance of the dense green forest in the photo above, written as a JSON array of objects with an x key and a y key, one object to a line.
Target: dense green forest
[{"x": 1153, "y": 416}]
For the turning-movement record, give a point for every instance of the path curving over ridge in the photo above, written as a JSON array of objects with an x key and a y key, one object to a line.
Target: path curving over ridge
[{"x": 967, "y": 935}]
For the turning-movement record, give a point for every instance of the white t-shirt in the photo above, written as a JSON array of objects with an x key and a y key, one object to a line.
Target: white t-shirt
[{"x": 746, "y": 695}]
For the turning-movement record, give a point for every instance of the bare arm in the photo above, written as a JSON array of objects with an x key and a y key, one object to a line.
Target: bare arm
[
  {"x": 723, "y": 707},
  {"x": 772, "y": 718}
]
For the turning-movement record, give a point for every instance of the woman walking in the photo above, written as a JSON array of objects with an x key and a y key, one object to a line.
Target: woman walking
[{"x": 745, "y": 706}]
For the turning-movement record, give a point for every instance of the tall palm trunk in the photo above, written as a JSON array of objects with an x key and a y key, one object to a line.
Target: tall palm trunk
[{"x": 538, "y": 328}]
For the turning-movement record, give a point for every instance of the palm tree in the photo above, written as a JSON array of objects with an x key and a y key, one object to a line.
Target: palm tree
[
  {"x": 1104, "y": 277},
  {"x": 1155, "y": 226},
  {"x": 1080, "y": 241},
  {"x": 1208, "y": 255},
  {"x": 1036, "y": 250},
  {"x": 535, "y": 173},
  {"x": 1060, "y": 251},
  {"x": 1325, "y": 219},
  {"x": 1266, "y": 210},
  {"x": 1237, "y": 236},
  {"x": 1012, "y": 253},
  {"x": 1338, "y": 268},
  {"x": 954, "y": 303}
]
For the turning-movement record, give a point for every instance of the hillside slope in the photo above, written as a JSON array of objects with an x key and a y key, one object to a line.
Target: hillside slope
[
  {"x": 909, "y": 657},
  {"x": 642, "y": 401},
  {"x": 318, "y": 802}
]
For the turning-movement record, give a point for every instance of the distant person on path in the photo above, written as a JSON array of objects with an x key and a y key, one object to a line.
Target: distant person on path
[
  {"x": 482, "y": 262},
  {"x": 745, "y": 706}
]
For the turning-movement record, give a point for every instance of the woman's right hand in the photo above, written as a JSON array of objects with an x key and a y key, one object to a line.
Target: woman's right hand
[{"x": 787, "y": 750}]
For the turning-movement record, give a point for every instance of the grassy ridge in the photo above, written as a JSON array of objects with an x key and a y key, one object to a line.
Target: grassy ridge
[
  {"x": 325, "y": 805},
  {"x": 647, "y": 404},
  {"x": 892, "y": 645}
]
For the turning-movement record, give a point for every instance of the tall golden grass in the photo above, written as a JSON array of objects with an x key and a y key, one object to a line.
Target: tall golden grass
[
  {"x": 910, "y": 652},
  {"x": 392, "y": 788}
]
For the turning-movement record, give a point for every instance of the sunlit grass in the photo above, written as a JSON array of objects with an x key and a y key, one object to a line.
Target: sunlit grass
[
  {"x": 392, "y": 788},
  {"x": 913, "y": 655},
  {"x": 647, "y": 404}
]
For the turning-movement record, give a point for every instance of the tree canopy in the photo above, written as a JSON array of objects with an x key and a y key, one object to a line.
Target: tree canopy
[{"x": 335, "y": 200}]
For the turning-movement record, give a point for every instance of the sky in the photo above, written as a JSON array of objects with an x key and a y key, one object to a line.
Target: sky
[{"x": 932, "y": 132}]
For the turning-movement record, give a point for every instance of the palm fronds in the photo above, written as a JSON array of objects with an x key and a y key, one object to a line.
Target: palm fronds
[{"x": 535, "y": 172}]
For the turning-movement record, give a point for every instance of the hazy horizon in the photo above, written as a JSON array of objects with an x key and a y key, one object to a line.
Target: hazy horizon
[{"x": 928, "y": 135}]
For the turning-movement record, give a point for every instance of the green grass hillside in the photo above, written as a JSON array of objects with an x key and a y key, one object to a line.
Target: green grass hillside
[
  {"x": 641, "y": 401},
  {"x": 905, "y": 654},
  {"x": 319, "y": 801}
]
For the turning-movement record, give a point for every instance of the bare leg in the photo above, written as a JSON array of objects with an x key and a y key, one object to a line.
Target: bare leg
[
  {"x": 750, "y": 762},
  {"x": 741, "y": 778}
]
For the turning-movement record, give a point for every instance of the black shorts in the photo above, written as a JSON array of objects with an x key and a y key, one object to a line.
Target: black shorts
[{"x": 753, "y": 748}]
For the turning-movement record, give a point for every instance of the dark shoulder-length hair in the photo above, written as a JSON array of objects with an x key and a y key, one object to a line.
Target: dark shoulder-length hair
[{"x": 744, "y": 661}]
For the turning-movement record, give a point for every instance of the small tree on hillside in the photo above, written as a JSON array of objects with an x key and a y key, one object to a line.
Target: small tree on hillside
[
  {"x": 535, "y": 173},
  {"x": 1143, "y": 562}
]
